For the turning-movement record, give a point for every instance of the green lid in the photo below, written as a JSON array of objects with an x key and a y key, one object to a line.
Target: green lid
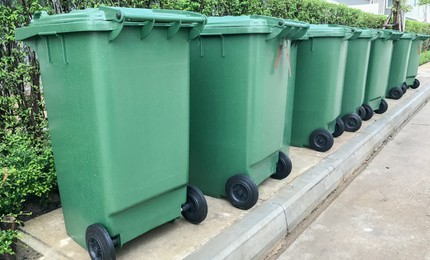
[
  {"x": 250, "y": 25},
  {"x": 422, "y": 37},
  {"x": 390, "y": 34},
  {"x": 329, "y": 30},
  {"x": 368, "y": 33},
  {"x": 407, "y": 35},
  {"x": 108, "y": 19},
  {"x": 298, "y": 31}
]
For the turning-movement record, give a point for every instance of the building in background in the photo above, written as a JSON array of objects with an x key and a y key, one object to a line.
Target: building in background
[{"x": 418, "y": 13}]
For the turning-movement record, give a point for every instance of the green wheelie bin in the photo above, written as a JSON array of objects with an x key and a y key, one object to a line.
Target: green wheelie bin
[
  {"x": 114, "y": 80},
  {"x": 321, "y": 59},
  {"x": 378, "y": 71},
  {"x": 397, "y": 86},
  {"x": 354, "y": 85},
  {"x": 414, "y": 61},
  {"x": 293, "y": 36},
  {"x": 238, "y": 87}
]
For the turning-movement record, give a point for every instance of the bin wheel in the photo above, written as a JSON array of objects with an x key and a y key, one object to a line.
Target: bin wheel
[
  {"x": 242, "y": 192},
  {"x": 339, "y": 128},
  {"x": 395, "y": 93},
  {"x": 321, "y": 140},
  {"x": 361, "y": 111},
  {"x": 352, "y": 122},
  {"x": 283, "y": 167},
  {"x": 416, "y": 84},
  {"x": 195, "y": 209},
  {"x": 99, "y": 244},
  {"x": 404, "y": 87},
  {"x": 369, "y": 112},
  {"x": 383, "y": 107}
]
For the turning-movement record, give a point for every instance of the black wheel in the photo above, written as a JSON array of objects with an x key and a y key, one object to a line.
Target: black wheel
[
  {"x": 283, "y": 167},
  {"x": 242, "y": 192},
  {"x": 369, "y": 112},
  {"x": 404, "y": 87},
  {"x": 99, "y": 244},
  {"x": 195, "y": 209},
  {"x": 416, "y": 84},
  {"x": 321, "y": 140},
  {"x": 339, "y": 128},
  {"x": 383, "y": 107},
  {"x": 352, "y": 122},
  {"x": 361, "y": 111},
  {"x": 395, "y": 93}
]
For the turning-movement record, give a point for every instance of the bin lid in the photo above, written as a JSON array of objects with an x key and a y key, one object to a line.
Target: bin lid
[
  {"x": 407, "y": 35},
  {"x": 390, "y": 34},
  {"x": 298, "y": 31},
  {"x": 104, "y": 19},
  {"x": 368, "y": 33},
  {"x": 253, "y": 24},
  {"x": 329, "y": 30},
  {"x": 422, "y": 37}
]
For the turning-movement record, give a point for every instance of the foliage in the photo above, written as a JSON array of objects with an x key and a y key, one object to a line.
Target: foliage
[
  {"x": 424, "y": 57},
  {"x": 27, "y": 170},
  {"x": 7, "y": 238}
]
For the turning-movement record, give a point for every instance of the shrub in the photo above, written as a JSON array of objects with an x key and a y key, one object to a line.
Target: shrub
[{"x": 27, "y": 170}]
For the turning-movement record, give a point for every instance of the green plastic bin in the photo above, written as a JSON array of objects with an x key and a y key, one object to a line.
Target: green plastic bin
[
  {"x": 116, "y": 82},
  {"x": 293, "y": 37},
  {"x": 354, "y": 86},
  {"x": 414, "y": 60},
  {"x": 397, "y": 86},
  {"x": 378, "y": 72},
  {"x": 238, "y": 89},
  {"x": 321, "y": 59}
]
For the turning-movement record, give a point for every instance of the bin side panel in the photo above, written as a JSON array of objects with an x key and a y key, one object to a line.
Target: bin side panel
[
  {"x": 414, "y": 61},
  {"x": 289, "y": 106},
  {"x": 355, "y": 75},
  {"x": 266, "y": 106}
]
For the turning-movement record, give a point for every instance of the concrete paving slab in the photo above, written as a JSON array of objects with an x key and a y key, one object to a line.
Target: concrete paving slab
[
  {"x": 231, "y": 233},
  {"x": 384, "y": 212}
]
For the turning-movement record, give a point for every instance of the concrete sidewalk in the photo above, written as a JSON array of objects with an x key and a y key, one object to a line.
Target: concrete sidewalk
[
  {"x": 385, "y": 212},
  {"x": 232, "y": 233}
]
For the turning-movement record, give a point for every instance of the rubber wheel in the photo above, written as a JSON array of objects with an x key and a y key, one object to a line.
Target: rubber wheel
[
  {"x": 416, "y": 84},
  {"x": 352, "y": 122},
  {"x": 195, "y": 209},
  {"x": 241, "y": 191},
  {"x": 321, "y": 140},
  {"x": 283, "y": 167},
  {"x": 99, "y": 244},
  {"x": 383, "y": 107},
  {"x": 395, "y": 93},
  {"x": 339, "y": 128},
  {"x": 369, "y": 112},
  {"x": 361, "y": 111},
  {"x": 404, "y": 87}
]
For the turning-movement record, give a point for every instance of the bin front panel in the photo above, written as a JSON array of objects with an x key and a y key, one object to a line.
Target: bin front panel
[
  {"x": 399, "y": 63},
  {"x": 118, "y": 118},
  {"x": 237, "y": 108},
  {"x": 378, "y": 71},
  {"x": 357, "y": 62},
  {"x": 319, "y": 86}
]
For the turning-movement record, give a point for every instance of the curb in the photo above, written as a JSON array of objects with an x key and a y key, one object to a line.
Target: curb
[{"x": 256, "y": 233}]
